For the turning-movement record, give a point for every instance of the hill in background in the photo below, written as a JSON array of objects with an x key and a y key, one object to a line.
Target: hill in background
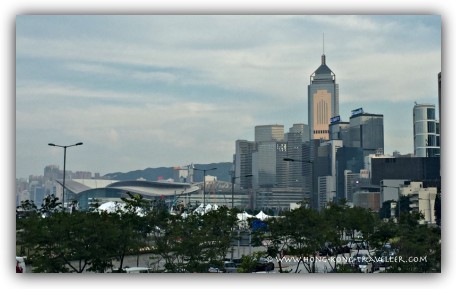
[{"x": 154, "y": 174}]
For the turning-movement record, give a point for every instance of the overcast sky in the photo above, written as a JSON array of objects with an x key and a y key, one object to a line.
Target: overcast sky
[{"x": 150, "y": 91}]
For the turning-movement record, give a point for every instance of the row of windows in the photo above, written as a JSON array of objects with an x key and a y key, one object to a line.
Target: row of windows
[
  {"x": 426, "y": 127},
  {"x": 427, "y": 140},
  {"x": 422, "y": 113},
  {"x": 321, "y": 131}
]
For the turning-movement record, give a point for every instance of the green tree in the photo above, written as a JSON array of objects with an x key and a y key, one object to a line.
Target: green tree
[
  {"x": 418, "y": 245},
  {"x": 335, "y": 218},
  {"x": 274, "y": 238},
  {"x": 66, "y": 242},
  {"x": 305, "y": 230}
]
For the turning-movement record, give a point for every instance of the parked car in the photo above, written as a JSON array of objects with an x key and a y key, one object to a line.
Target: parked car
[
  {"x": 20, "y": 265},
  {"x": 229, "y": 267},
  {"x": 264, "y": 265},
  {"x": 365, "y": 267},
  {"x": 214, "y": 269}
]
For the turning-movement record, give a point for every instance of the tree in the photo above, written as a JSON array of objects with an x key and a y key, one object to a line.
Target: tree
[
  {"x": 60, "y": 241},
  {"x": 418, "y": 246},
  {"x": 335, "y": 217},
  {"x": 305, "y": 230},
  {"x": 273, "y": 237},
  {"x": 196, "y": 241},
  {"x": 385, "y": 210},
  {"x": 81, "y": 241}
]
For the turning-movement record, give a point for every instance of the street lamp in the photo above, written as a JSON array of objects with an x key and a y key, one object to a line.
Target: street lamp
[
  {"x": 64, "y": 166},
  {"x": 232, "y": 186},
  {"x": 204, "y": 183}
]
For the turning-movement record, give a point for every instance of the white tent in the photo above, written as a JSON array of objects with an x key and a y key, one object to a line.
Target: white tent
[
  {"x": 244, "y": 216},
  {"x": 199, "y": 210},
  {"x": 111, "y": 207},
  {"x": 202, "y": 210},
  {"x": 262, "y": 216}
]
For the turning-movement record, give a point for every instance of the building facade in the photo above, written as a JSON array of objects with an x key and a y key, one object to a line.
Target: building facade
[
  {"x": 323, "y": 101},
  {"x": 366, "y": 132},
  {"x": 274, "y": 132},
  {"x": 426, "y": 131},
  {"x": 243, "y": 163}
]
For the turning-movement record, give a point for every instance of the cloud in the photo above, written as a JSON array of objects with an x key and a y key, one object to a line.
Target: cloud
[
  {"x": 392, "y": 77},
  {"x": 162, "y": 89}
]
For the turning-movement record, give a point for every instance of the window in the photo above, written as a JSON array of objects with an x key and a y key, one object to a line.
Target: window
[{"x": 430, "y": 113}]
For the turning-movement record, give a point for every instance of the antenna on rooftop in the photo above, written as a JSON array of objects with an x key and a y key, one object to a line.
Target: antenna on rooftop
[{"x": 323, "y": 43}]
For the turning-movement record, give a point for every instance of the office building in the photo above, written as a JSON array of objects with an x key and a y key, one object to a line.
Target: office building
[
  {"x": 439, "y": 81},
  {"x": 326, "y": 191},
  {"x": 243, "y": 163},
  {"x": 367, "y": 197},
  {"x": 269, "y": 168},
  {"x": 403, "y": 168},
  {"x": 339, "y": 130},
  {"x": 323, "y": 101},
  {"x": 295, "y": 138},
  {"x": 351, "y": 160},
  {"x": 269, "y": 133},
  {"x": 422, "y": 200},
  {"x": 366, "y": 131},
  {"x": 426, "y": 131}
]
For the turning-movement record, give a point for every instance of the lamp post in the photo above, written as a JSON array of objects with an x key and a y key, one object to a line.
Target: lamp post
[
  {"x": 204, "y": 183},
  {"x": 64, "y": 166},
  {"x": 232, "y": 186}
]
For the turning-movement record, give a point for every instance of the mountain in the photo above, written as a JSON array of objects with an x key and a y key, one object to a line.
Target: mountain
[{"x": 153, "y": 174}]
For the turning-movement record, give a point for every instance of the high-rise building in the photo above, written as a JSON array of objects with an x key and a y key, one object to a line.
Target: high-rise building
[
  {"x": 366, "y": 131},
  {"x": 269, "y": 168},
  {"x": 323, "y": 100},
  {"x": 405, "y": 168},
  {"x": 439, "y": 81},
  {"x": 52, "y": 172},
  {"x": 339, "y": 130},
  {"x": 274, "y": 132},
  {"x": 326, "y": 191},
  {"x": 347, "y": 159},
  {"x": 295, "y": 138},
  {"x": 243, "y": 162},
  {"x": 426, "y": 131}
]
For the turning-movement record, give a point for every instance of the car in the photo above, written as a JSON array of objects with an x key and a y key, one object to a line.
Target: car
[
  {"x": 137, "y": 270},
  {"x": 365, "y": 267},
  {"x": 264, "y": 264},
  {"x": 132, "y": 270},
  {"x": 20, "y": 264},
  {"x": 229, "y": 267},
  {"x": 214, "y": 269}
]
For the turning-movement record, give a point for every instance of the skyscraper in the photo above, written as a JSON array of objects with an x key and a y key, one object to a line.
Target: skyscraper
[
  {"x": 426, "y": 131},
  {"x": 366, "y": 131},
  {"x": 274, "y": 132},
  {"x": 323, "y": 100},
  {"x": 243, "y": 162}
]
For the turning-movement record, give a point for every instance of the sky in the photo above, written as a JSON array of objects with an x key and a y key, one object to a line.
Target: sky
[{"x": 164, "y": 90}]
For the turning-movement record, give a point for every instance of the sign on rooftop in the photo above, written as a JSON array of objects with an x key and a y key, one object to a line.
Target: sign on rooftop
[
  {"x": 357, "y": 111},
  {"x": 335, "y": 119}
]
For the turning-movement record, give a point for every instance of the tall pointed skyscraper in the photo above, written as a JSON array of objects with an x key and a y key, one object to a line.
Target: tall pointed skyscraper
[{"x": 323, "y": 100}]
